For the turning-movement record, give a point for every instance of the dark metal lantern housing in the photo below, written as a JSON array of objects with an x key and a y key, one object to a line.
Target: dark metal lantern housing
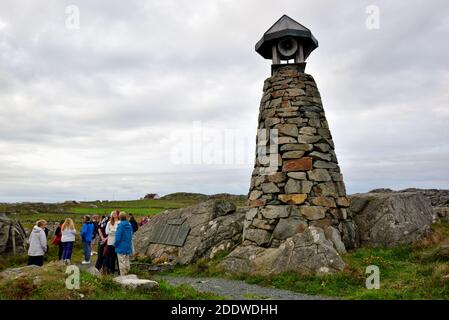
[{"x": 287, "y": 39}]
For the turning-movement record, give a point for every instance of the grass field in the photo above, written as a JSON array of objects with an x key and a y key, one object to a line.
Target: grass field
[
  {"x": 28, "y": 214},
  {"x": 106, "y": 211}
]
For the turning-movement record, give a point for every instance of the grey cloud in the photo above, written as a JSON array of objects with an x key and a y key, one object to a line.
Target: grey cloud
[{"x": 93, "y": 108}]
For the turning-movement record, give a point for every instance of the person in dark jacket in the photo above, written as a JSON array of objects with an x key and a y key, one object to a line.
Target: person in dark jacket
[
  {"x": 57, "y": 239},
  {"x": 102, "y": 244},
  {"x": 134, "y": 223},
  {"x": 86, "y": 236},
  {"x": 123, "y": 243}
]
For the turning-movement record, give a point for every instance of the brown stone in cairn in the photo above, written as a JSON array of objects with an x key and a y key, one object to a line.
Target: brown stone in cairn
[
  {"x": 298, "y": 198},
  {"x": 343, "y": 201},
  {"x": 301, "y": 164}
]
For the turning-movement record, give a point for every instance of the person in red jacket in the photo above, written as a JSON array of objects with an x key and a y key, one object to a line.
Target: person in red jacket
[{"x": 57, "y": 239}]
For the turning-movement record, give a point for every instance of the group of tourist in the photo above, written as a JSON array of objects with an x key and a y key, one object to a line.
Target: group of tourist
[{"x": 111, "y": 235}]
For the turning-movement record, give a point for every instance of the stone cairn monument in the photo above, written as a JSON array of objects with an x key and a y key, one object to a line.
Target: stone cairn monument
[{"x": 296, "y": 185}]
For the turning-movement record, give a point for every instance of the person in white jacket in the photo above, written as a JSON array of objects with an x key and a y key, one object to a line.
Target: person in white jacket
[
  {"x": 111, "y": 229},
  {"x": 38, "y": 244}
]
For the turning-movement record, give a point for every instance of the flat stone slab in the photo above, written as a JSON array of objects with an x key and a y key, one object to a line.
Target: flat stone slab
[{"x": 133, "y": 282}]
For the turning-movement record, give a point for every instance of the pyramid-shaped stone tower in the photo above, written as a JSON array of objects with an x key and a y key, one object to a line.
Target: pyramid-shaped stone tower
[
  {"x": 296, "y": 180},
  {"x": 297, "y": 219}
]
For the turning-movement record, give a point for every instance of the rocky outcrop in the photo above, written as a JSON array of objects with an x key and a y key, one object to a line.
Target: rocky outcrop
[
  {"x": 311, "y": 251},
  {"x": 12, "y": 236},
  {"x": 391, "y": 218},
  {"x": 210, "y": 226},
  {"x": 15, "y": 273},
  {"x": 437, "y": 197},
  {"x": 441, "y": 212}
]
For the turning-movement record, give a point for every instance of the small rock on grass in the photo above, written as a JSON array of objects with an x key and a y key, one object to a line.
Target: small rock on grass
[{"x": 132, "y": 282}]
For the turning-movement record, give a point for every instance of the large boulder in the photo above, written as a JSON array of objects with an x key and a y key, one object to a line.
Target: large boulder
[
  {"x": 211, "y": 226},
  {"x": 309, "y": 251},
  {"x": 391, "y": 218},
  {"x": 12, "y": 236}
]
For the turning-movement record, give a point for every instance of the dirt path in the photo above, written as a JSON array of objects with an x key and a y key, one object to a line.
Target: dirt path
[{"x": 238, "y": 290}]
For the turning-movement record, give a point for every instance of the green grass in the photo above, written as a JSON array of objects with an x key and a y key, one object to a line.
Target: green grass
[
  {"x": 157, "y": 203},
  {"x": 29, "y": 213},
  {"x": 48, "y": 283},
  {"x": 107, "y": 211},
  {"x": 418, "y": 271}
]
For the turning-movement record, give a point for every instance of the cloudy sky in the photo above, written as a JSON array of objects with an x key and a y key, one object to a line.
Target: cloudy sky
[{"x": 163, "y": 96}]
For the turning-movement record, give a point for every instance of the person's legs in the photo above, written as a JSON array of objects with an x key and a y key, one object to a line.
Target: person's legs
[
  {"x": 69, "y": 250},
  {"x": 64, "y": 250},
  {"x": 40, "y": 261},
  {"x": 100, "y": 258},
  {"x": 121, "y": 265},
  {"x": 60, "y": 250},
  {"x": 36, "y": 260},
  {"x": 127, "y": 266},
  {"x": 113, "y": 257},
  {"x": 110, "y": 259},
  {"x": 86, "y": 246},
  {"x": 123, "y": 262}
]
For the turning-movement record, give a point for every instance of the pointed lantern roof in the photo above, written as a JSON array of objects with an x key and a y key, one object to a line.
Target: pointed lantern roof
[{"x": 286, "y": 27}]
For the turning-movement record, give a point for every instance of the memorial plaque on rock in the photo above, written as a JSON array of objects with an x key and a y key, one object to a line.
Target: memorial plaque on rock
[
  {"x": 177, "y": 222},
  {"x": 174, "y": 233}
]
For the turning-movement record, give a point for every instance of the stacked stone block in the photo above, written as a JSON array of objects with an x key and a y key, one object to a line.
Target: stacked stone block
[{"x": 306, "y": 188}]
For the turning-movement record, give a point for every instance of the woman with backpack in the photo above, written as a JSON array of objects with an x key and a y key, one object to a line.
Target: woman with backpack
[{"x": 67, "y": 239}]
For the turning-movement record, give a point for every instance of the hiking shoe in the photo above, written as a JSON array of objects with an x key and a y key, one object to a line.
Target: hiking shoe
[{"x": 85, "y": 262}]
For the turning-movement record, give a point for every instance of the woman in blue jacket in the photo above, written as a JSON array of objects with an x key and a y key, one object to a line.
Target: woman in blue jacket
[
  {"x": 86, "y": 236},
  {"x": 123, "y": 243}
]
